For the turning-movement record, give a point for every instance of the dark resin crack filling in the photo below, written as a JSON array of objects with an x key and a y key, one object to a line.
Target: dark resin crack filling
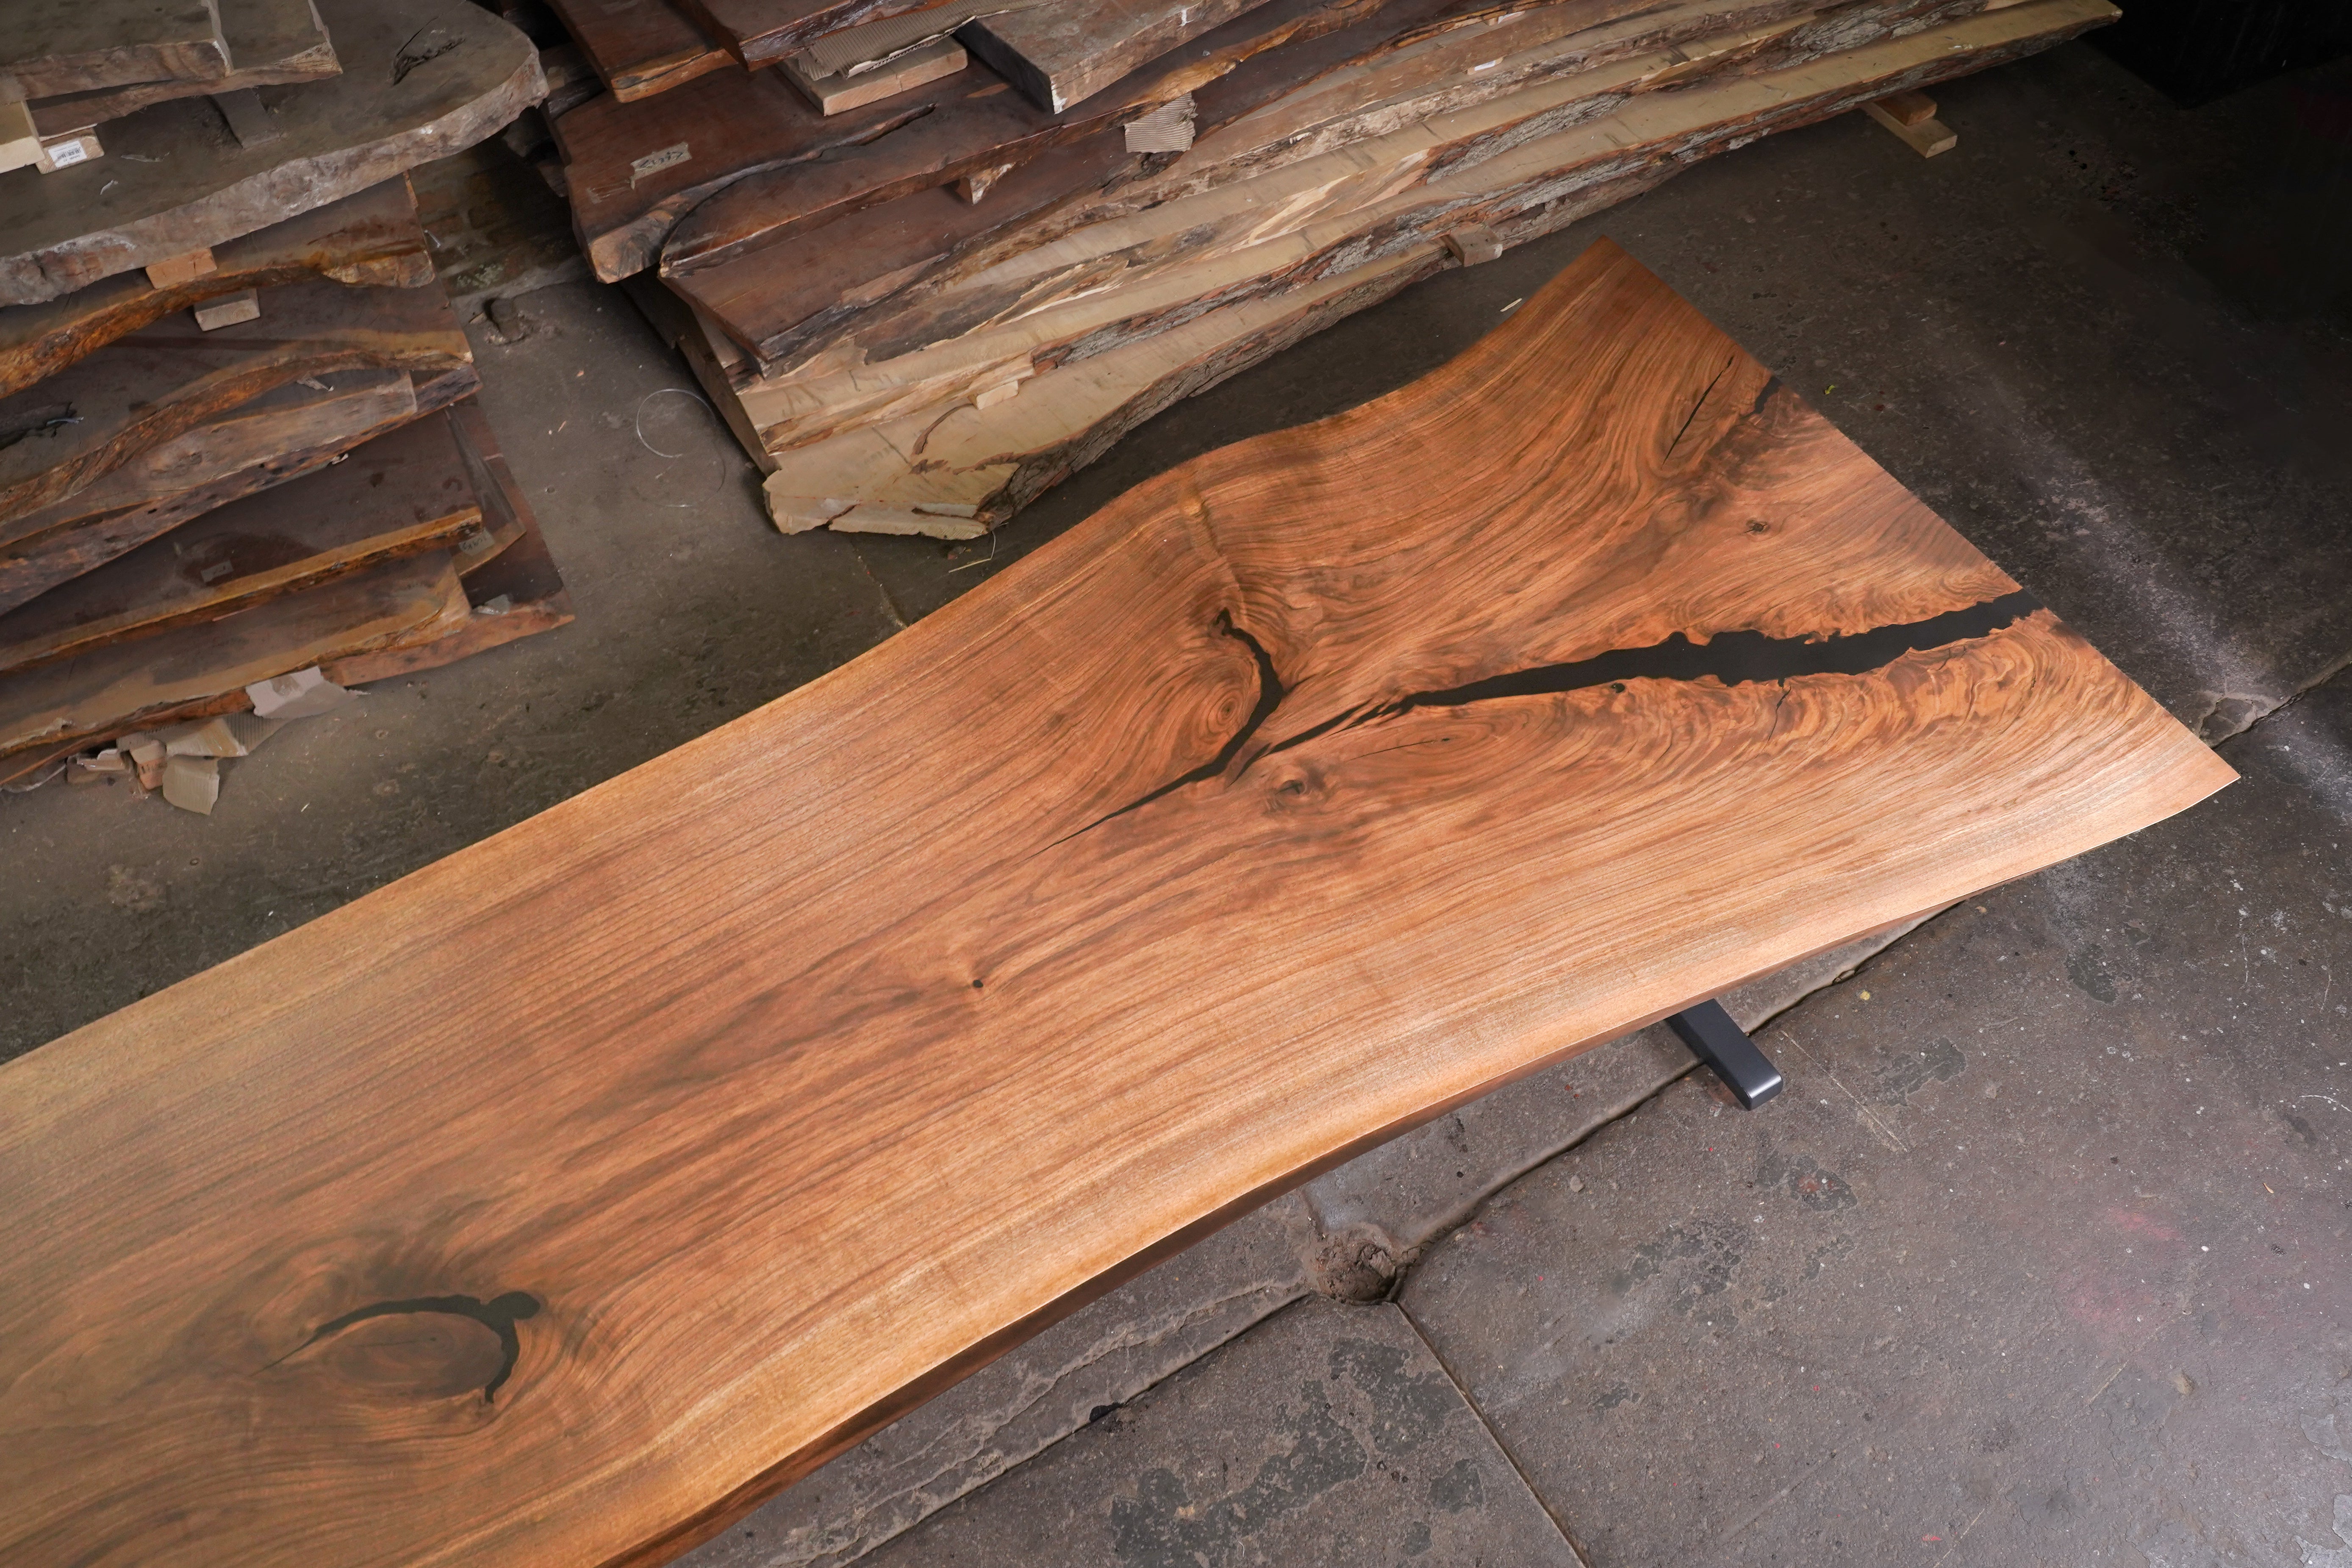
[{"x": 1732, "y": 657}]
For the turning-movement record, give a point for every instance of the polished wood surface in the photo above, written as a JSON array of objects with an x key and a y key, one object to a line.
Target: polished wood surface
[{"x": 554, "y": 1204}]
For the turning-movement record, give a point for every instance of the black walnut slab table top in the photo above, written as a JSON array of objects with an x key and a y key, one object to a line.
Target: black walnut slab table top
[{"x": 555, "y": 1203}]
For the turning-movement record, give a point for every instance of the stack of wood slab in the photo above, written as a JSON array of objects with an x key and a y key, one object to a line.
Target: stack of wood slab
[
  {"x": 919, "y": 307},
  {"x": 236, "y": 435}
]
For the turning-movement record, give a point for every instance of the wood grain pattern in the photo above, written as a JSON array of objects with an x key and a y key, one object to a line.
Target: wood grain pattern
[
  {"x": 931, "y": 137},
  {"x": 762, "y": 32},
  {"x": 399, "y": 494},
  {"x": 421, "y": 80},
  {"x": 279, "y": 435},
  {"x": 886, "y": 428},
  {"x": 171, "y": 375},
  {"x": 1067, "y": 51},
  {"x": 52, "y": 46},
  {"x": 110, "y": 690},
  {"x": 371, "y": 239},
  {"x": 639, "y": 48},
  {"x": 842, "y": 1071},
  {"x": 271, "y": 43}
]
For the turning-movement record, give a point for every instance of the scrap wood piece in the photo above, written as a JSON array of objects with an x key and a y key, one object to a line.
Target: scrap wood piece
[
  {"x": 830, "y": 92},
  {"x": 1063, "y": 53},
  {"x": 52, "y": 46},
  {"x": 271, "y": 43},
  {"x": 422, "y": 79},
  {"x": 762, "y": 32},
  {"x": 371, "y": 239},
  {"x": 1559, "y": 774},
  {"x": 639, "y": 48},
  {"x": 952, "y": 128},
  {"x": 172, "y": 374},
  {"x": 701, "y": 347},
  {"x": 407, "y": 492},
  {"x": 110, "y": 690},
  {"x": 280, "y": 436},
  {"x": 1925, "y": 135}
]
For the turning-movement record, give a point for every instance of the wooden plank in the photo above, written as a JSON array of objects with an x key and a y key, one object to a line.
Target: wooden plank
[
  {"x": 639, "y": 48},
  {"x": 762, "y": 32},
  {"x": 111, "y": 690},
  {"x": 1908, "y": 107},
  {"x": 271, "y": 43},
  {"x": 52, "y": 46},
  {"x": 371, "y": 239},
  {"x": 871, "y": 435},
  {"x": 1065, "y": 53},
  {"x": 277, "y": 437},
  {"x": 844, "y": 1071},
  {"x": 865, "y": 322},
  {"x": 925, "y": 138},
  {"x": 172, "y": 374},
  {"x": 1925, "y": 137},
  {"x": 835, "y": 93},
  {"x": 777, "y": 286},
  {"x": 514, "y": 594},
  {"x": 399, "y": 494},
  {"x": 422, "y": 80}
]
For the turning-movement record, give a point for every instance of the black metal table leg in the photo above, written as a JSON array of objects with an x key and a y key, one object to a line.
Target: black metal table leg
[{"x": 1723, "y": 1046}]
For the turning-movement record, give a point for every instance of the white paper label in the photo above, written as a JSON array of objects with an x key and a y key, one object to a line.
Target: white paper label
[
  {"x": 653, "y": 163},
  {"x": 65, "y": 155}
]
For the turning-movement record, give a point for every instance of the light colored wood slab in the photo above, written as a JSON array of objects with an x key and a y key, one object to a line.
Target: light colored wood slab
[
  {"x": 1065, "y": 53},
  {"x": 1184, "y": 263},
  {"x": 399, "y": 494},
  {"x": 639, "y": 48},
  {"x": 841, "y": 1048},
  {"x": 421, "y": 80},
  {"x": 52, "y": 46}
]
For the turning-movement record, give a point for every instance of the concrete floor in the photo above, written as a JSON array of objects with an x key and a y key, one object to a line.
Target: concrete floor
[{"x": 2042, "y": 1258}]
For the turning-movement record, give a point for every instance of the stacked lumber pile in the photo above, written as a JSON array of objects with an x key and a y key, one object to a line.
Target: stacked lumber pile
[
  {"x": 929, "y": 256},
  {"x": 239, "y": 468}
]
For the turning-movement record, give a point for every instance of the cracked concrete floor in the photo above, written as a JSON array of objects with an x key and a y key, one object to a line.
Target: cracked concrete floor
[{"x": 2013, "y": 1294}]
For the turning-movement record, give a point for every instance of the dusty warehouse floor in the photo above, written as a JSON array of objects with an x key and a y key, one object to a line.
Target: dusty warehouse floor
[{"x": 2046, "y": 1254}]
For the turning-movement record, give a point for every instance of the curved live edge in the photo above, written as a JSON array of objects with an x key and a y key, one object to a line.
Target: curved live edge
[{"x": 555, "y": 1203}]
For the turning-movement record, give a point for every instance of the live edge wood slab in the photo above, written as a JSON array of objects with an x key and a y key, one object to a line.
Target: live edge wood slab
[{"x": 553, "y": 1204}]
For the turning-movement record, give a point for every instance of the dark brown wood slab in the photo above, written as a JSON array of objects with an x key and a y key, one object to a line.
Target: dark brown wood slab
[
  {"x": 968, "y": 125},
  {"x": 111, "y": 690},
  {"x": 271, "y": 43},
  {"x": 639, "y": 48},
  {"x": 399, "y": 494},
  {"x": 171, "y": 375},
  {"x": 52, "y": 46},
  {"x": 1065, "y": 51},
  {"x": 762, "y": 32},
  {"x": 279, "y": 435},
  {"x": 849, "y": 1044},
  {"x": 421, "y": 80},
  {"x": 369, "y": 240},
  {"x": 515, "y": 593}
]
